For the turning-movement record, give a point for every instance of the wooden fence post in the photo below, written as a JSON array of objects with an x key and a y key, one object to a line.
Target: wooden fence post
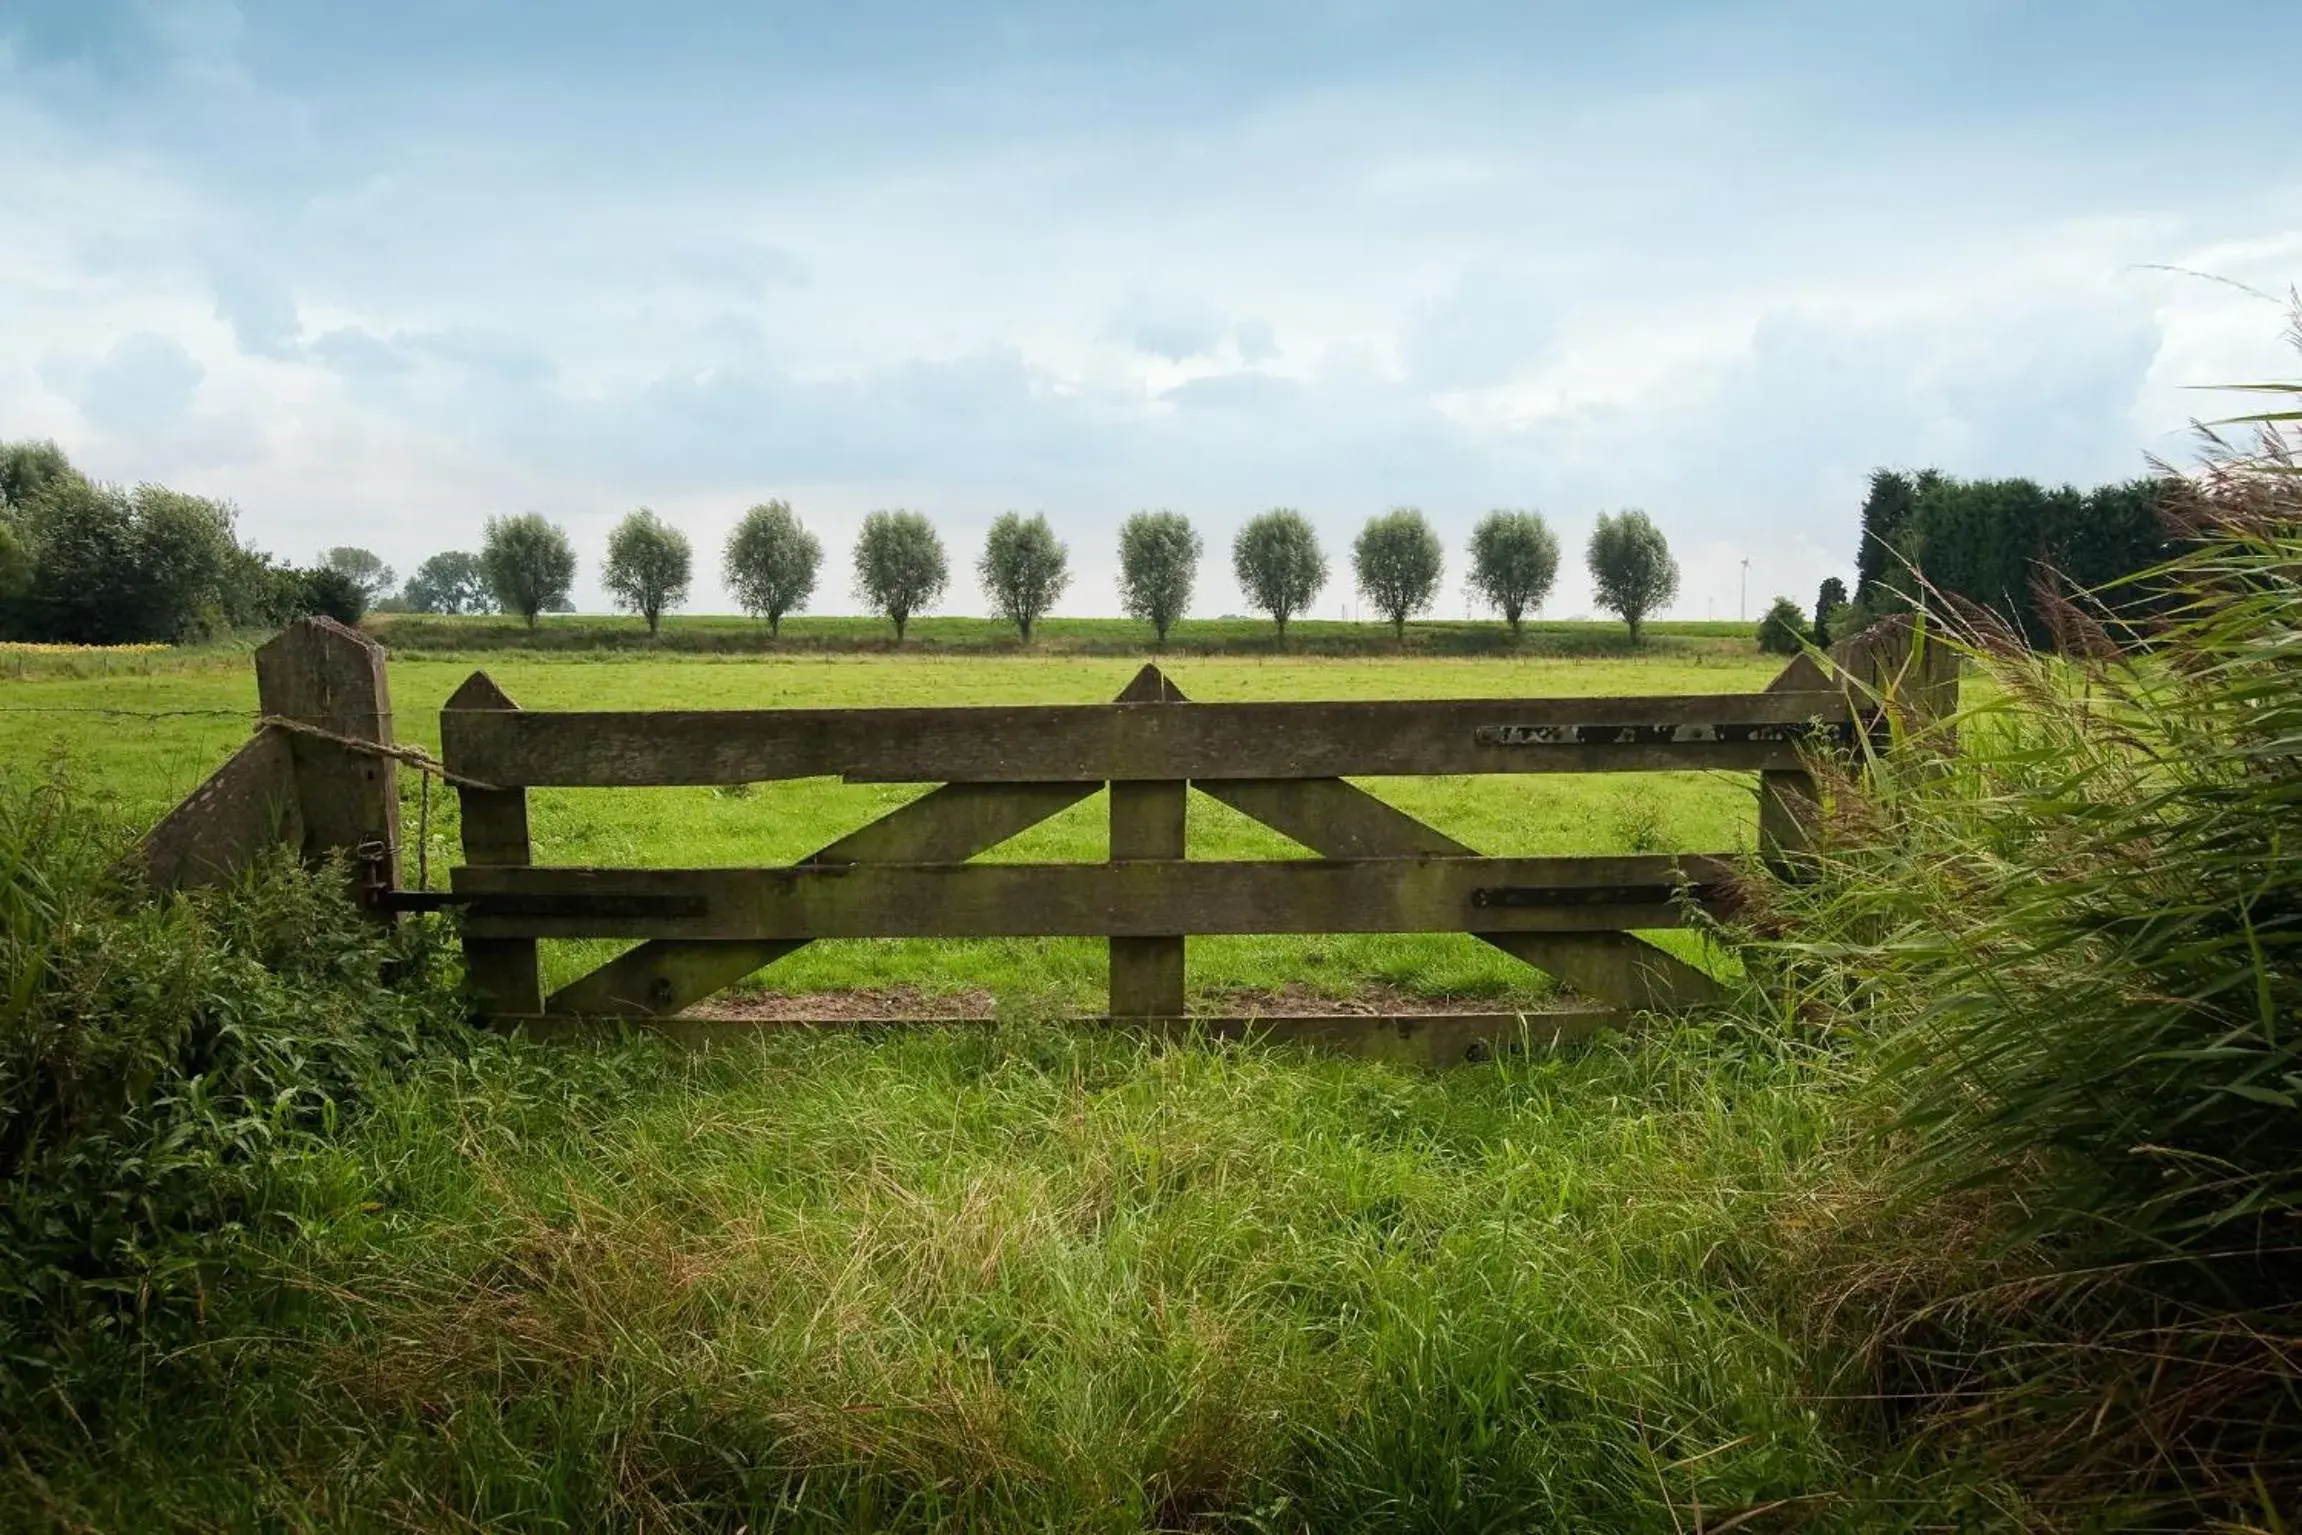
[
  {"x": 1147, "y": 821},
  {"x": 1895, "y": 661},
  {"x": 321, "y": 675},
  {"x": 495, "y": 829}
]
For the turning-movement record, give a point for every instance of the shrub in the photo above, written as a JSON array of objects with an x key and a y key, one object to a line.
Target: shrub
[
  {"x": 1783, "y": 631},
  {"x": 331, "y": 593},
  {"x": 158, "y": 1058},
  {"x": 2075, "y": 942},
  {"x": 771, "y": 563}
]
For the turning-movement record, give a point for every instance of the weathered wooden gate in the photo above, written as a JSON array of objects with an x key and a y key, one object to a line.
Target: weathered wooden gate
[{"x": 320, "y": 773}]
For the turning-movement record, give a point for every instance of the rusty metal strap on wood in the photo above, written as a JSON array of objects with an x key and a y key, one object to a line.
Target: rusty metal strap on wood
[
  {"x": 414, "y": 756},
  {"x": 1836, "y": 732}
]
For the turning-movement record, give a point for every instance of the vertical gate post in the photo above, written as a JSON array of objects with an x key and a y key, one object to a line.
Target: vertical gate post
[
  {"x": 495, "y": 831},
  {"x": 1913, "y": 672},
  {"x": 1147, "y": 821},
  {"x": 321, "y": 674}
]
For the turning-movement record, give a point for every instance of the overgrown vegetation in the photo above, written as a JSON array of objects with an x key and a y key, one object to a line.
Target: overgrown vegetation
[
  {"x": 1978, "y": 1209},
  {"x": 163, "y": 1065},
  {"x": 83, "y": 562},
  {"x": 2070, "y": 940}
]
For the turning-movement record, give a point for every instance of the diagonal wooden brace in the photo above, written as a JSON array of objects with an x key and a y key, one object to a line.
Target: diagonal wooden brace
[{"x": 1338, "y": 819}]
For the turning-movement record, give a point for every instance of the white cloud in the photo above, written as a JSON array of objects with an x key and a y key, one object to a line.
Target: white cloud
[{"x": 405, "y": 315}]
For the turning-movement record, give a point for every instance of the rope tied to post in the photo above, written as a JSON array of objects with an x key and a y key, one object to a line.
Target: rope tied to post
[{"x": 414, "y": 756}]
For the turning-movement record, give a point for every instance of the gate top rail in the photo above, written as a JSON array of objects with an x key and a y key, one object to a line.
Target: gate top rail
[{"x": 1081, "y": 743}]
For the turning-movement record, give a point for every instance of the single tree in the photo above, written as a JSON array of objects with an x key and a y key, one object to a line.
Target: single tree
[
  {"x": 899, "y": 566},
  {"x": 1514, "y": 561},
  {"x": 530, "y": 565},
  {"x": 363, "y": 569},
  {"x": 1631, "y": 567},
  {"x": 1158, "y": 563},
  {"x": 449, "y": 582},
  {"x": 649, "y": 565},
  {"x": 1279, "y": 564},
  {"x": 1827, "y": 601},
  {"x": 1783, "y": 631},
  {"x": 1398, "y": 560},
  {"x": 1023, "y": 569},
  {"x": 1884, "y": 549},
  {"x": 771, "y": 562}
]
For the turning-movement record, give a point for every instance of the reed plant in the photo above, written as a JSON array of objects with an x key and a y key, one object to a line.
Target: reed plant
[{"x": 2064, "y": 933}]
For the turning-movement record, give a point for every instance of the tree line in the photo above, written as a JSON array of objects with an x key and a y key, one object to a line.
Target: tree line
[
  {"x": 771, "y": 564},
  {"x": 2004, "y": 547},
  {"x": 88, "y": 563}
]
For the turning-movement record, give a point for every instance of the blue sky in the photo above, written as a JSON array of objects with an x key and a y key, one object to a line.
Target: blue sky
[{"x": 376, "y": 272}]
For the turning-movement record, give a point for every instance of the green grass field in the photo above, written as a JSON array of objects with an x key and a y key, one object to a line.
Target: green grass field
[
  {"x": 1011, "y": 1278},
  {"x": 173, "y": 719},
  {"x": 734, "y": 634}
]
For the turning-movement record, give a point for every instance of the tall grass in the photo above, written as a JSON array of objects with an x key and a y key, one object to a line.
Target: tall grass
[
  {"x": 2071, "y": 935},
  {"x": 160, "y": 1061}
]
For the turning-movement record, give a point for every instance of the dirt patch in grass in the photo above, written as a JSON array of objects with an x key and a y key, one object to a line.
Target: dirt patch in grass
[{"x": 863, "y": 1002}]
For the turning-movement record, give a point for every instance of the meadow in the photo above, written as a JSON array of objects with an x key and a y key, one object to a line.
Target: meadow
[
  {"x": 292, "y": 1246},
  {"x": 141, "y": 736},
  {"x": 725, "y": 634},
  {"x": 1022, "y": 1277}
]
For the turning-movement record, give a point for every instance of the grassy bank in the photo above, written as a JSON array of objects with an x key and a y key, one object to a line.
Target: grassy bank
[{"x": 735, "y": 635}]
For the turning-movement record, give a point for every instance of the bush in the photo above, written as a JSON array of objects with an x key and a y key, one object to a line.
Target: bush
[
  {"x": 107, "y": 566},
  {"x": 1783, "y": 631},
  {"x": 331, "y": 593},
  {"x": 160, "y": 1059}
]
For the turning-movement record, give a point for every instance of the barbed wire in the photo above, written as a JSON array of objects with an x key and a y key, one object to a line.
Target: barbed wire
[{"x": 119, "y": 713}]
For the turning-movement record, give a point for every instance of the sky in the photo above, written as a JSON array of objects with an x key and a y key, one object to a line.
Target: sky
[{"x": 376, "y": 273}]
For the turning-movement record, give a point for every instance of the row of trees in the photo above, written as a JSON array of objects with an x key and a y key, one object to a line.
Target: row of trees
[
  {"x": 2008, "y": 547},
  {"x": 2001, "y": 545},
  {"x": 771, "y": 564},
  {"x": 87, "y": 563}
]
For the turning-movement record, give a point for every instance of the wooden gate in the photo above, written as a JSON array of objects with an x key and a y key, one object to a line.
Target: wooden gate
[{"x": 319, "y": 773}]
